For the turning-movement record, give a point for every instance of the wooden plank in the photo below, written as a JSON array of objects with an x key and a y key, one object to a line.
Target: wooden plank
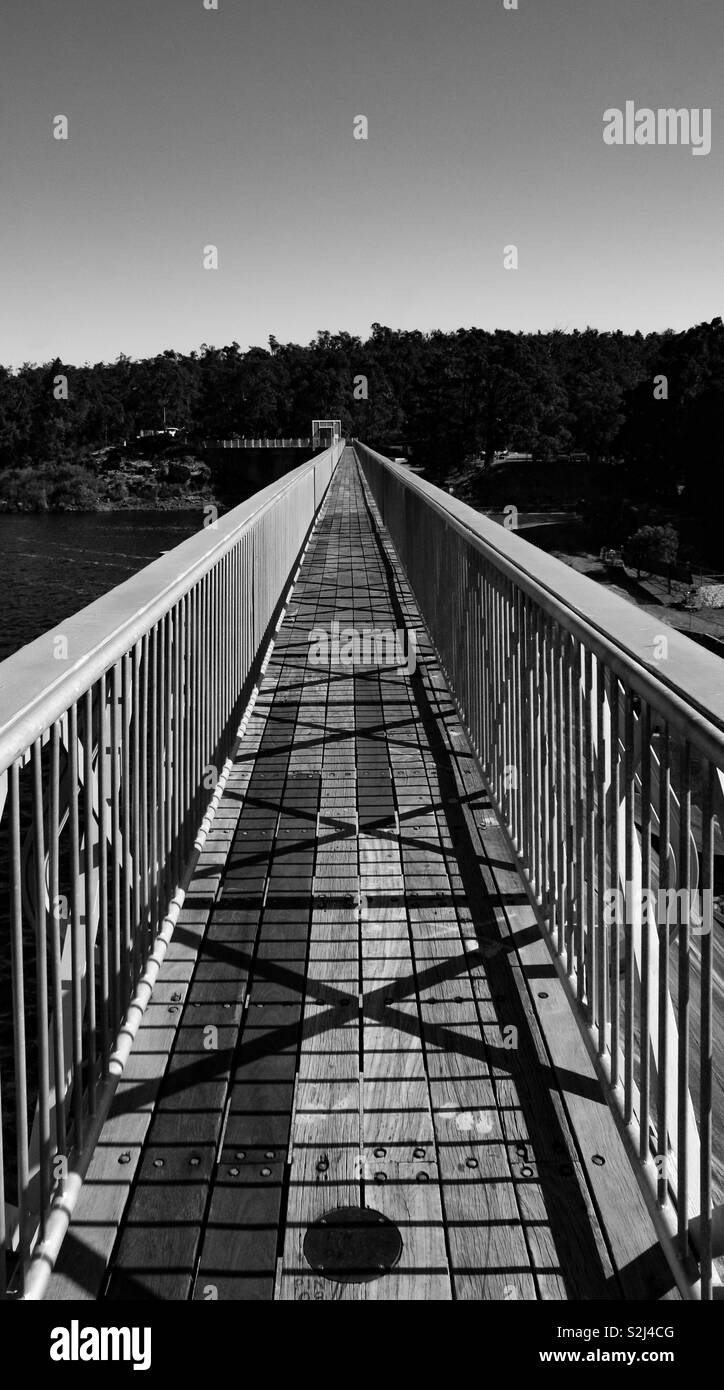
[{"x": 321, "y": 1179}]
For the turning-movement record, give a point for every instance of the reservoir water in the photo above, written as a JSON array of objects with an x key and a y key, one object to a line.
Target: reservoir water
[{"x": 53, "y": 564}]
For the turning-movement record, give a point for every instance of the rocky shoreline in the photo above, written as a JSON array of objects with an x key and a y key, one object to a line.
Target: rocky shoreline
[{"x": 109, "y": 482}]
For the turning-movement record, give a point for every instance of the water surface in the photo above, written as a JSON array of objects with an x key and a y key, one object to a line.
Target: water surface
[{"x": 51, "y": 565}]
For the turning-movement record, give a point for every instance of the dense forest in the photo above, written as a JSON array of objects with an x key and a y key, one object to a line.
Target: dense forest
[{"x": 636, "y": 418}]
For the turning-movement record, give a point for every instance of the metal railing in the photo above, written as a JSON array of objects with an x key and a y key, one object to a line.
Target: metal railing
[
  {"x": 255, "y": 443},
  {"x": 600, "y": 734},
  {"x": 116, "y": 726}
]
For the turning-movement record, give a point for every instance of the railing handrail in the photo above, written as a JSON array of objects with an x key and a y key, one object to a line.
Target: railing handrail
[
  {"x": 691, "y": 694},
  {"x": 103, "y": 631}
]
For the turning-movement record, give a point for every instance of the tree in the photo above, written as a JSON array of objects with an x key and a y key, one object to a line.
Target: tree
[{"x": 653, "y": 547}]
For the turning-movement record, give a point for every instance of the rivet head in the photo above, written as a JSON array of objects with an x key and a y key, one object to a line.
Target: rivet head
[
  {"x": 266, "y": 1172},
  {"x": 233, "y": 1172},
  {"x": 124, "y": 1158},
  {"x": 380, "y": 1153},
  {"x": 240, "y": 1153},
  {"x": 599, "y": 1160},
  {"x": 172, "y": 1009},
  {"x": 471, "y": 1162},
  {"x": 419, "y": 1152},
  {"x": 380, "y": 1177},
  {"x": 158, "y": 1163},
  {"x": 194, "y": 1162},
  {"x": 270, "y": 1153}
]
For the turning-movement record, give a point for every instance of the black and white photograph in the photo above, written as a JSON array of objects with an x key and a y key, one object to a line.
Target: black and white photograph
[{"x": 361, "y": 674}]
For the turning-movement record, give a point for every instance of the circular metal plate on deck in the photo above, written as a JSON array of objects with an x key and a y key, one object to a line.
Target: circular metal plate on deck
[{"x": 352, "y": 1245}]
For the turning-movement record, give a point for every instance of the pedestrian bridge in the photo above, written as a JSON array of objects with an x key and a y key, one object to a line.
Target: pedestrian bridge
[{"x": 360, "y": 932}]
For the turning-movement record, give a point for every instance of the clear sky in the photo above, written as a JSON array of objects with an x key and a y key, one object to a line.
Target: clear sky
[{"x": 189, "y": 127}]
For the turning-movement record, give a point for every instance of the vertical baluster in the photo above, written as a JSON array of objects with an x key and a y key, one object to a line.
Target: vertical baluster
[
  {"x": 530, "y": 741},
  {"x": 103, "y": 962},
  {"x": 169, "y": 845},
  {"x": 512, "y": 714},
  {"x": 684, "y": 993},
  {"x": 615, "y": 931},
  {"x": 589, "y": 858},
  {"x": 57, "y": 914},
  {"x": 512, "y": 701},
  {"x": 178, "y": 720},
  {"x": 553, "y": 754},
  {"x": 195, "y": 779},
  {"x": 543, "y": 801},
  {"x": 662, "y": 1097},
  {"x": 706, "y": 1085},
  {"x": 177, "y": 619},
  {"x": 601, "y": 857},
  {"x": 187, "y": 799},
  {"x": 4, "y": 1233},
  {"x": 229, "y": 639},
  {"x": 645, "y": 1015},
  {"x": 504, "y": 639},
  {"x": 144, "y": 905},
  {"x": 117, "y": 851},
  {"x": 582, "y": 728},
  {"x": 206, "y": 688},
  {"x": 501, "y": 758},
  {"x": 571, "y": 805},
  {"x": 493, "y": 660},
  {"x": 487, "y": 748},
  {"x": 521, "y": 701},
  {"x": 75, "y": 928},
  {"x": 153, "y": 784},
  {"x": 631, "y": 845},
  {"x": 127, "y": 715},
  {"x": 199, "y": 699},
  {"x": 561, "y": 798},
  {"x": 238, "y": 623},
  {"x": 218, "y": 643},
  {"x": 17, "y": 967},
  {"x": 88, "y": 877},
  {"x": 536, "y": 751},
  {"x": 162, "y": 754},
  {"x": 41, "y": 978}
]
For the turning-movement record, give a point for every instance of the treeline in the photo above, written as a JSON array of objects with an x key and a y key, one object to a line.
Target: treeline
[{"x": 649, "y": 409}]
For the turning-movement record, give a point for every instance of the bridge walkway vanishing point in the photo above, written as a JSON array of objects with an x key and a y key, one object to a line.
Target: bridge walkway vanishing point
[{"x": 357, "y": 1008}]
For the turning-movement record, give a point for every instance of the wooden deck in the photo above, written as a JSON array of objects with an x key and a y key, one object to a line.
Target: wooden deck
[{"x": 357, "y": 1008}]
